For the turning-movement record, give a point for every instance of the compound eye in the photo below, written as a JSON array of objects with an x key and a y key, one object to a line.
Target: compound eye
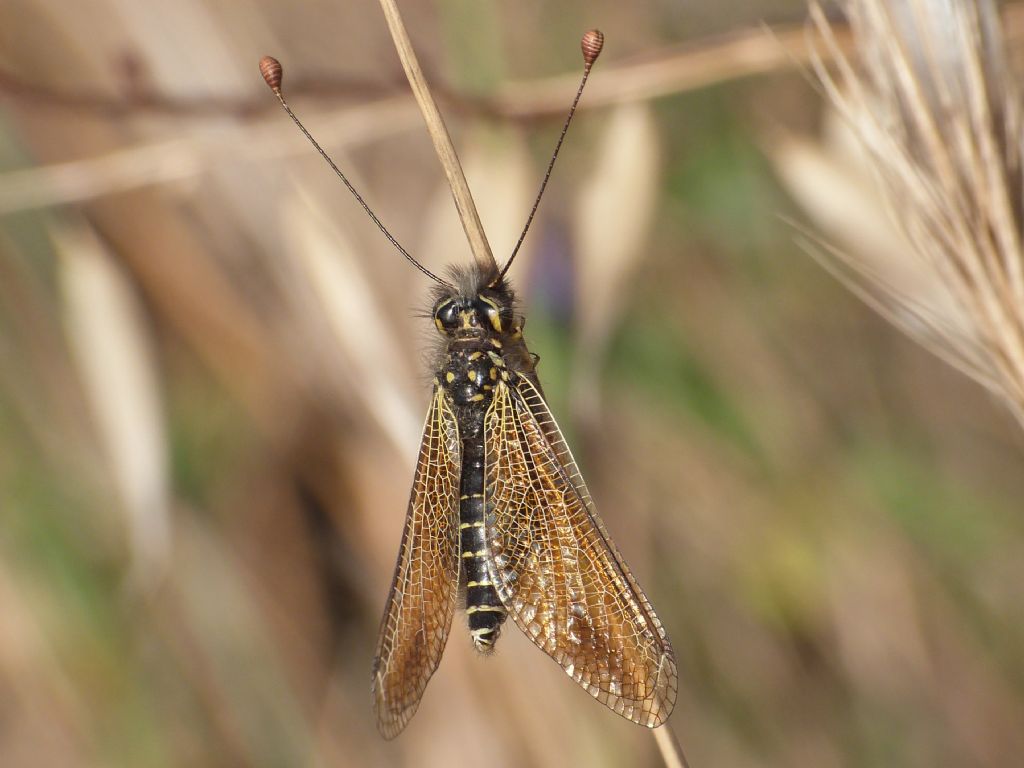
[
  {"x": 490, "y": 310},
  {"x": 446, "y": 316}
]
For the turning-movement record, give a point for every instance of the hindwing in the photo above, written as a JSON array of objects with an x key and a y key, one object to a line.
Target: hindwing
[{"x": 556, "y": 570}]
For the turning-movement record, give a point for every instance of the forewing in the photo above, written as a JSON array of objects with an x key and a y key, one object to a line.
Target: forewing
[
  {"x": 419, "y": 610},
  {"x": 556, "y": 570}
]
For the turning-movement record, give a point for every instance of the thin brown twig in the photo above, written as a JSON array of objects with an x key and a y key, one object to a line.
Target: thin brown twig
[
  {"x": 442, "y": 140},
  {"x": 143, "y": 100},
  {"x": 170, "y": 160},
  {"x": 660, "y": 73}
]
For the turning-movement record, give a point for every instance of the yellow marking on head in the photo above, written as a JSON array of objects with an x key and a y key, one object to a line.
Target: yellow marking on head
[
  {"x": 439, "y": 324},
  {"x": 495, "y": 316},
  {"x": 449, "y": 377}
]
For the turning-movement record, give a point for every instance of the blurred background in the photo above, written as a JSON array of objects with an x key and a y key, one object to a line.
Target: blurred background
[{"x": 213, "y": 372}]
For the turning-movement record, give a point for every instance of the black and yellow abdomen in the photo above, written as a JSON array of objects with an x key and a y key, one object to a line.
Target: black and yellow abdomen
[
  {"x": 469, "y": 377},
  {"x": 483, "y": 608}
]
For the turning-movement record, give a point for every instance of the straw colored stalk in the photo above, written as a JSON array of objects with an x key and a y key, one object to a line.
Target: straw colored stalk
[
  {"x": 442, "y": 140},
  {"x": 932, "y": 101}
]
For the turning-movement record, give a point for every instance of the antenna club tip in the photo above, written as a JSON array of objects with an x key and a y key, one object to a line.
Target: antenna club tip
[
  {"x": 272, "y": 72},
  {"x": 591, "y": 44}
]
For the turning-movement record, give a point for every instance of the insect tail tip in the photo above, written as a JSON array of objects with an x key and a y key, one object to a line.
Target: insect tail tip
[{"x": 484, "y": 640}]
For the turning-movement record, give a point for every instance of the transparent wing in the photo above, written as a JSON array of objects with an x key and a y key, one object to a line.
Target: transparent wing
[
  {"x": 556, "y": 570},
  {"x": 419, "y": 610}
]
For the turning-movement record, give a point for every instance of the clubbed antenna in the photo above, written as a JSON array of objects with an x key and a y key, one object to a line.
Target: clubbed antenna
[
  {"x": 591, "y": 45},
  {"x": 273, "y": 73}
]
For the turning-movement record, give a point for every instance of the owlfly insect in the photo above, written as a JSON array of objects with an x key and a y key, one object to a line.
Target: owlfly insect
[{"x": 499, "y": 511}]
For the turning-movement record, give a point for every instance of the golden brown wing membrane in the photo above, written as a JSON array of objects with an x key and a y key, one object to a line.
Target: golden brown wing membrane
[
  {"x": 419, "y": 610},
  {"x": 557, "y": 572}
]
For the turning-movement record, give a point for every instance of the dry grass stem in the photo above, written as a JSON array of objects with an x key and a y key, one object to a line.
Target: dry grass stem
[
  {"x": 499, "y": 168},
  {"x": 178, "y": 159},
  {"x": 935, "y": 108},
  {"x": 669, "y": 747},
  {"x": 442, "y": 140}
]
